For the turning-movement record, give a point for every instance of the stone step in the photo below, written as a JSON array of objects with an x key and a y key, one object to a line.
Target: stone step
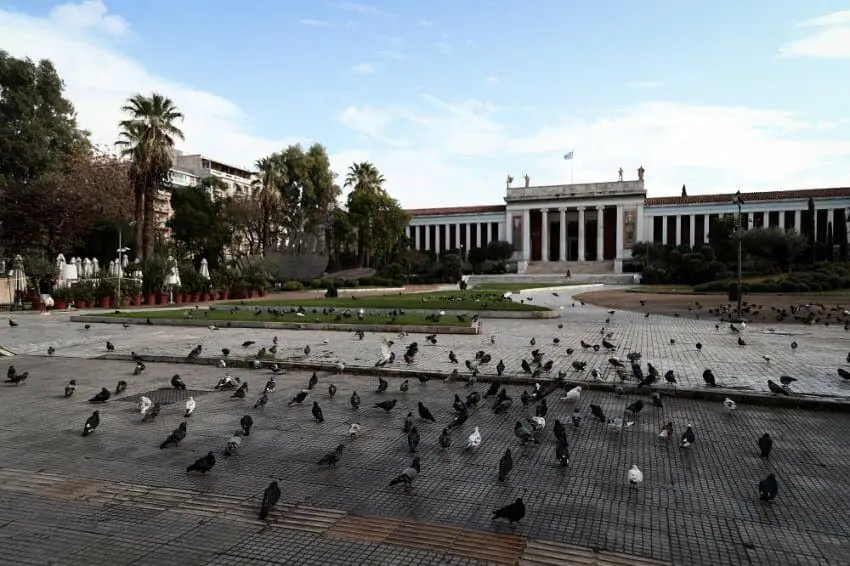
[{"x": 575, "y": 267}]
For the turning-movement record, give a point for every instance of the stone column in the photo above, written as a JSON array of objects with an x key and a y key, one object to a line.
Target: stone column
[
  {"x": 798, "y": 214},
  {"x": 437, "y": 242},
  {"x": 639, "y": 226},
  {"x": 427, "y": 230},
  {"x": 678, "y": 229},
  {"x": 706, "y": 227},
  {"x": 544, "y": 234},
  {"x": 692, "y": 230},
  {"x": 562, "y": 245},
  {"x": 581, "y": 234},
  {"x": 468, "y": 239},
  {"x": 618, "y": 258},
  {"x": 509, "y": 229},
  {"x": 457, "y": 236},
  {"x": 782, "y": 220},
  {"x": 488, "y": 227},
  {"x": 600, "y": 233},
  {"x": 664, "y": 230},
  {"x": 416, "y": 243},
  {"x": 526, "y": 234}
]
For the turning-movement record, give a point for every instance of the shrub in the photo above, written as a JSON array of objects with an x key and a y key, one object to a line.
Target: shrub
[{"x": 292, "y": 286}]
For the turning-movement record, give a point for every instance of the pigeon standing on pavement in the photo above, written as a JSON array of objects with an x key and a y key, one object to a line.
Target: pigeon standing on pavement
[
  {"x": 202, "y": 465},
  {"x": 190, "y": 407},
  {"x": 270, "y": 498},
  {"x": 513, "y": 512},
  {"x": 408, "y": 474},
  {"x": 765, "y": 445},
  {"x": 91, "y": 423}
]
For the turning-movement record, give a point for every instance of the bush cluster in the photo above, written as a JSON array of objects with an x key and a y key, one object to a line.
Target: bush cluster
[
  {"x": 825, "y": 278},
  {"x": 373, "y": 281}
]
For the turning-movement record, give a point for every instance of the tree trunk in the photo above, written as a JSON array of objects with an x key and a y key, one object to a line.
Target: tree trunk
[
  {"x": 139, "y": 217},
  {"x": 149, "y": 231}
]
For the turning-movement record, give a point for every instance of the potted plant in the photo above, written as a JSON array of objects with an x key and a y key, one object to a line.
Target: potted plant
[
  {"x": 83, "y": 292},
  {"x": 105, "y": 292},
  {"x": 131, "y": 293},
  {"x": 177, "y": 293},
  {"x": 61, "y": 297},
  {"x": 153, "y": 278},
  {"x": 221, "y": 280}
]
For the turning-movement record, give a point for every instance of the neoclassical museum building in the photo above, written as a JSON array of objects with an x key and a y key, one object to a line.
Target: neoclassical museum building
[{"x": 592, "y": 227}]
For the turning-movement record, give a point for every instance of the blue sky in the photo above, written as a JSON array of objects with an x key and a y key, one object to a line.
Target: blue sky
[{"x": 449, "y": 97}]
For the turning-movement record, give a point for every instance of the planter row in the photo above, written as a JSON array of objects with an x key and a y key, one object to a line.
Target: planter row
[{"x": 152, "y": 299}]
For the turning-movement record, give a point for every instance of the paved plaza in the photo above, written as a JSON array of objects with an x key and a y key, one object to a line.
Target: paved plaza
[{"x": 116, "y": 498}]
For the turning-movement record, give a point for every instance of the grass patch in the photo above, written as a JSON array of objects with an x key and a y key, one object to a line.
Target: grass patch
[
  {"x": 515, "y": 287},
  {"x": 663, "y": 289},
  {"x": 311, "y": 316},
  {"x": 471, "y": 300}
]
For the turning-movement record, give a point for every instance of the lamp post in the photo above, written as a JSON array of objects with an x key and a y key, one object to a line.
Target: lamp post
[
  {"x": 121, "y": 251},
  {"x": 739, "y": 200}
]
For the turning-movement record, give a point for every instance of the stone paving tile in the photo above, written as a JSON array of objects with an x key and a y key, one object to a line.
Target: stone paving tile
[
  {"x": 694, "y": 507},
  {"x": 814, "y": 363}
]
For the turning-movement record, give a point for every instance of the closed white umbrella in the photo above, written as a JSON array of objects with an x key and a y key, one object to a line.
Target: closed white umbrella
[
  {"x": 87, "y": 272},
  {"x": 205, "y": 269},
  {"x": 95, "y": 266}
]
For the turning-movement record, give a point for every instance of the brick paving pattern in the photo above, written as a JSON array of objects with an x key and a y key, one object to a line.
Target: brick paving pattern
[{"x": 116, "y": 498}]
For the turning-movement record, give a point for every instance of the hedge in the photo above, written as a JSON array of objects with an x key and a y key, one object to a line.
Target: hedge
[{"x": 824, "y": 279}]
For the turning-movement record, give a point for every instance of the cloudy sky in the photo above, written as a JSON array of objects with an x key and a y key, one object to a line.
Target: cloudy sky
[{"x": 447, "y": 97}]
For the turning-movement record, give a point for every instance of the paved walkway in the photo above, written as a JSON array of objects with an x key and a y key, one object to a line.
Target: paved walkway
[
  {"x": 115, "y": 498},
  {"x": 814, "y": 363}
]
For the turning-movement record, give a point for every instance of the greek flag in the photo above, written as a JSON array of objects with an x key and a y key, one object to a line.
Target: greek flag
[{"x": 569, "y": 155}]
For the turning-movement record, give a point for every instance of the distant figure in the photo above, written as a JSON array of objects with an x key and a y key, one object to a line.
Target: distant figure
[
  {"x": 569, "y": 275},
  {"x": 641, "y": 171},
  {"x": 620, "y": 174},
  {"x": 684, "y": 191},
  {"x": 527, "y": 181}
]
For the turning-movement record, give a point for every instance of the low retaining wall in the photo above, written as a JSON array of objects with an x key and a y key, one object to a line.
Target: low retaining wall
[
  {"x": 713, "y": 394},
  {"x": 577, "y": 288},
  {"x": 413, "y": 329}
]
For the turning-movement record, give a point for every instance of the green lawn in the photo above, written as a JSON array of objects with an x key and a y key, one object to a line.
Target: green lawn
[
  {"x": 222, "y": 314},
  {"x": 471, "y": 300},
  {"x": 515, "y": 287}
]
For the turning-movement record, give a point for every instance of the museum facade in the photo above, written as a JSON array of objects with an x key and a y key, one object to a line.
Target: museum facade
[{"x": 592, "y": 227}]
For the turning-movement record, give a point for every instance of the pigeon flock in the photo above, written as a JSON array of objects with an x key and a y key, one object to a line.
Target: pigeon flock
[{"x": 640, "y": 387}]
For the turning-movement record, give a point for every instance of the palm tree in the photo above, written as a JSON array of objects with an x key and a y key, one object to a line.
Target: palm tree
[
  {"x": 147, "y": 138},
  {"x": 366, "y": 186},
  {"x": 268, "y": 194}
]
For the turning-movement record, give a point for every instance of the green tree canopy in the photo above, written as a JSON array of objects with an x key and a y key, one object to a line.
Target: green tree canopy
[
  {"x": 199, "y": 222},
  {"x": 38, "y": 126}
]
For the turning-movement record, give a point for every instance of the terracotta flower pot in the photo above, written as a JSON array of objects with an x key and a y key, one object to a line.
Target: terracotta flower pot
[
  {"x": 81, "y": 304},
  {"x": 104, "y": 302},
  {"x": 214, "y": 296},
  {"x": 150, "y": 299},
  {"x": 263, "y": 292},
  {"x": 125, "y": 301},
  {"x": 60, "y": 304},
  {"x": 196, "y": 297},
  {"x": 137, "y": 301},
  {"x": 253, "y": 294},
  {"x": 225, "y": 295},
  {"x": 205, "y": 297},
  {"x": 162, "y": 298},
  {"x": 178, "y": 298}
]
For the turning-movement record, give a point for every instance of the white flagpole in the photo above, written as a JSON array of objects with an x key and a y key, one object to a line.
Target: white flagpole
[{"x": 572, "y": 165}]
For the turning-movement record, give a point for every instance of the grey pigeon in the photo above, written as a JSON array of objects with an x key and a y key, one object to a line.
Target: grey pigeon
[{"x": 409, "y": 474}]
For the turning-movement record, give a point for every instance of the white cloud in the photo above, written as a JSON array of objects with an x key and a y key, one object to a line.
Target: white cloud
[
  {"x": 425, "y": 23},
  {"x": 643, "y": 84},
  {"x": 99, "y": 78},
  {"x": 394, "y": 55},
  {"x": 363, "y": 68},
  {"x": 444, "y": 48},
  {"x": 365, "y": 119},
  {"x": 90, "y": 14},
  {"x": 493, "y": 80},
  {"x": 316, "y": 23},
  {"x": 359, "y": 8},
  {"x": 830, "y": 39}
]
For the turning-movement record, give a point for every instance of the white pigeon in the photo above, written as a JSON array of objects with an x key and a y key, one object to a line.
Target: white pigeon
[
  {"x": 144, "y": 404},
  {"x": 634, "y": 476},
  {"x": 355, "y": 430},
  {"x": 538, "y": 423},
  {"x": 222, "y": 364},
  {"x": 730, "y": 405},
  {"x": 536, "y": 387},
  {"x": 664, "y": 435},
  {"x": 474, "y": 440},
  {"x": 766, "y": 358},
  {"x": 256, "y": 364},
  {"x": 340, "y": 367},
  {"x": 190, "y": 407},
  {"x": 385, "y": 351},
  {"x": 572, "y": 395},
  {"x": 325, "y": 341}
]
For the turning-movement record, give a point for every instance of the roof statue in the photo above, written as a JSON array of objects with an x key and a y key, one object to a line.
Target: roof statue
[
  {"x": 620, "y": 174},
  {"x": 509, "y": 181},
  {"x": 641, "y": 171},
  {"x": 527, "y": 181},
  {"x": 684, "y": 191}
]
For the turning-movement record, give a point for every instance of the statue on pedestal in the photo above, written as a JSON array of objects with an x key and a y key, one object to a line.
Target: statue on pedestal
[
  {"x": 620, "y": 174},
  {"x": 509, "y": 181},
  {"x": 641, "y": 171},
  {"x": 684, "y": 191},
  {"x": 527, "y": 181}
]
